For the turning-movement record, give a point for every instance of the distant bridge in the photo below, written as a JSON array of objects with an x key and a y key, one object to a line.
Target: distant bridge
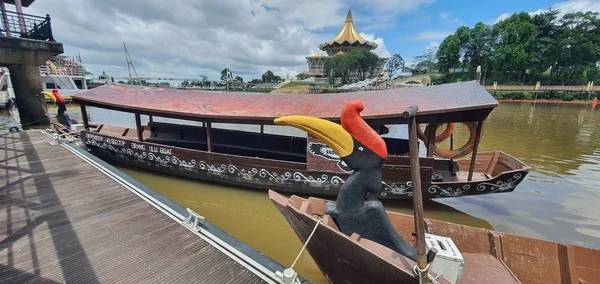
[{"x": 503, "y": 88}]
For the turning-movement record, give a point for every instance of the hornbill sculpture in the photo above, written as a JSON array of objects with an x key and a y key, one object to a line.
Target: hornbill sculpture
[
  {"x": 61, "y": 115},
  {"x": 364, "y": 151}
]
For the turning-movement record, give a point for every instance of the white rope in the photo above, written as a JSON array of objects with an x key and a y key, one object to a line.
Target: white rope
[
  {"x": 59, "y": 137},
  {"x": 418, "y": 272},
  {"x": 306, "y": 243}
]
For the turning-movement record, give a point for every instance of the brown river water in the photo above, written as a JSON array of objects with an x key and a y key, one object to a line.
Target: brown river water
[{"x": 558, "y": 201}]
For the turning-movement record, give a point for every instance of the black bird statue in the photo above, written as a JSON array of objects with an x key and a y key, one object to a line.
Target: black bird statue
[{"x": 364, "y": 151}]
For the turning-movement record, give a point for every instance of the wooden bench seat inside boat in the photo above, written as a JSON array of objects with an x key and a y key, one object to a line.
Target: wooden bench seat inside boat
[
  {"x": 477, "y": 267},
  {"x": 233, "y": 142}
]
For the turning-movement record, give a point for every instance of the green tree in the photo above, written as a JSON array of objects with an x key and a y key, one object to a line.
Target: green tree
[
  {"x": 527, "y": 48},
  {"x": 226, "y": 74},
  {"x": 268, "y": 77},
  {"x": 515, "y": 49},
  {"x": 448, "y": 54},
  {"x": 239, "y": 78},
  {"x": 185, "y": 83},
  {"x": 395, "y": 63},
  {"x": 255, "y": 81},
  {"x": 356, "y": 62}
]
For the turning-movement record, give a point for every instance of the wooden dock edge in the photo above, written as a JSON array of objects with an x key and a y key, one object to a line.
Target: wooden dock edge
[{"x": 256, "y": 262}]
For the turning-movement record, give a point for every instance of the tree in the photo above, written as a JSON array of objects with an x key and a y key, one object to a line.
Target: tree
[
  {"x": 426, "y": 62},
  {"x": 226, "y": 74},
  {"x": 357, "y": 63},
  {"x": 303, "y": 75},
  {"x": 185, "y": 83},
  {"x": 395, "y": 63},
  {"x": 268, "y": 77},
  {"x": 255, "y": 81},
  {"x": 527, "y": 48},
  {"x": 240, "y": 79},
  {"x": 448, "y": 54},
  {"x": 277, "y": 78}
]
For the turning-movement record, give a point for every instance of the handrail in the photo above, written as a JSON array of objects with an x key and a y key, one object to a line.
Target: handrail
[
  {"x": 28, "y": 15},
  {"x": 26, "y": 26},
  {"x": 542, "y": 88}
]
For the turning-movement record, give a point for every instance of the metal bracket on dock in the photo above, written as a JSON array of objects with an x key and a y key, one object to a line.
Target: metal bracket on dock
[
  {"x": 193, "y": 219},
  {"x": 288, "y": 276}
]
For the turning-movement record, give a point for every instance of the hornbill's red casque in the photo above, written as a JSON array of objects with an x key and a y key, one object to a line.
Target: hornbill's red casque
[{"x": 364, "y": 151}]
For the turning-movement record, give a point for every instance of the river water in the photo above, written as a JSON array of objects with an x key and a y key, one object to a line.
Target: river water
[{"x": 557, "y": 201}]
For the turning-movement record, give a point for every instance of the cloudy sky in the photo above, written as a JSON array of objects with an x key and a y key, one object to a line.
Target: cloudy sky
[{"x": 189, "y": 38}]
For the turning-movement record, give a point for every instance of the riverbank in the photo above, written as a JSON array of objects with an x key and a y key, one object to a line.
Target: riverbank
[
  {"x": 524, "y": 96},
  {"x": 545, "y": 101}
]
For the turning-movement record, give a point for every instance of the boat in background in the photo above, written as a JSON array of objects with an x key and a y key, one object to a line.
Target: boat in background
[
  {"x": 489, "y": 256},
  {"x": 64, "y": 74},
  {"x": 195, "y": 149}
]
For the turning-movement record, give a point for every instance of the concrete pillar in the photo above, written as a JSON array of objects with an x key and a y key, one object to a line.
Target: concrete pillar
[
  {"x": 27, "y": 85},
  {"x": 5, "y": 17},
  {"x": 19, "y": 7}
]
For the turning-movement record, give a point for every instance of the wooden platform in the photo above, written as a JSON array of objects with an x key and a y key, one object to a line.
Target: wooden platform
[{"x": 62, "y": 220}]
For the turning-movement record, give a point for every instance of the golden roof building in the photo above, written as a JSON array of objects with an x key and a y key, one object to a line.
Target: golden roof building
[{"x": 346, "y": 40}]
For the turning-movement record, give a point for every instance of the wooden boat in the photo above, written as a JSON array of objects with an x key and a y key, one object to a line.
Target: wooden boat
[
  {"x": 489, "y": 256},
  {"x": 294, "y": 164}
]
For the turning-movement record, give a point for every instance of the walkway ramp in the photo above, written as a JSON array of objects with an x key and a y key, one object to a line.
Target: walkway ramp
[{"x": 63, "y": 220}]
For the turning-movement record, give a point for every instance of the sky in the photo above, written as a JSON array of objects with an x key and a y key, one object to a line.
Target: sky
[{"x": 190, "y": 38}]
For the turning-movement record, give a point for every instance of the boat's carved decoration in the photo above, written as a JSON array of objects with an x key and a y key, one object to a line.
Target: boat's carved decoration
[
  {"x": 500, "y": 185},
  {"x": 151, "y": 156},
  {"x": 243, "y": 173},
  {"x": 394, "y": 189},
  {"x": 275, "y": 177},
  {"x": 448, "y": 191}
]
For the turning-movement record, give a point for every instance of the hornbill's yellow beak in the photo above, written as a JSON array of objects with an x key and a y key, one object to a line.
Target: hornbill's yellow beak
[{"x": 332, "y": 134}]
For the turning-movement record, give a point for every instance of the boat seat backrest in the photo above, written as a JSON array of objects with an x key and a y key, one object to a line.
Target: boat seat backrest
[{"x": 228, "y": 141}]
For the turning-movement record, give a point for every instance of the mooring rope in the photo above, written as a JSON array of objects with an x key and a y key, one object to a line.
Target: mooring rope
[
  {"x": 306, "y": 243},
  {"x": 418, "y": 272}
]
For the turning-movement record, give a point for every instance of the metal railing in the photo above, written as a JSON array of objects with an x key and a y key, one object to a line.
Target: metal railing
[
  {"x": 543, "y": 88},
  {"x": 26, "y": 26},
  {"x": 69, "y": 71}
]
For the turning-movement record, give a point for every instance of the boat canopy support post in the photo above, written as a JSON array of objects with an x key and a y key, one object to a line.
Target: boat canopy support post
[
  {"x": 262, "y": 129},
  {"x": 84, "y": 116},
  {"x": 150, "y": 118},
  {"x": 431, "y": 139},
  {"x": 209, "y": 136},
  {"x": 415, "y": 174},
  {"x": 475, "y": 146},
  {"x": 138, "y": 126}
]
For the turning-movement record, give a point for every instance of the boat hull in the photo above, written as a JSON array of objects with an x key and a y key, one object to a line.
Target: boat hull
[
  {"x": 489, "y": 256},
  {"x": 284, "y": 176}
]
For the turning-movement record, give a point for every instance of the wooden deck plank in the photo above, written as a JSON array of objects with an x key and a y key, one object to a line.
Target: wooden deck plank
[{"x": 62, "y": 220}]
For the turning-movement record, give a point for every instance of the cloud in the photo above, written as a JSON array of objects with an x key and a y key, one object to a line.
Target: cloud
[
  {"x": 381, "y": 50},
  {"x": 433, "y": 35},
  {"x": 189, "y": 38},
  {"x": 502, "y": 17},
  {"x": 574, "y": 6},
  {"x": 432, "y": 46},
  {"x": 444, "y": 15},
  {"x": 392, "y": 6},
  {"x": 566, "y": 7}
]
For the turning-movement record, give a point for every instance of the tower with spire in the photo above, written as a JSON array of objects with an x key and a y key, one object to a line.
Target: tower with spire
[{"x": 346, "y": 40}]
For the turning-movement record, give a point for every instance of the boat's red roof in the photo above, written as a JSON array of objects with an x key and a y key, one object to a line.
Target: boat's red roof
[{"x": 441, "y": 103}]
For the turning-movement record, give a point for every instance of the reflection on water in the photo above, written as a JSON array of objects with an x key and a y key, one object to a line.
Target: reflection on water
[
  {"x": 250, "y": 216},
  {"x": 557, "y": 201}
]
